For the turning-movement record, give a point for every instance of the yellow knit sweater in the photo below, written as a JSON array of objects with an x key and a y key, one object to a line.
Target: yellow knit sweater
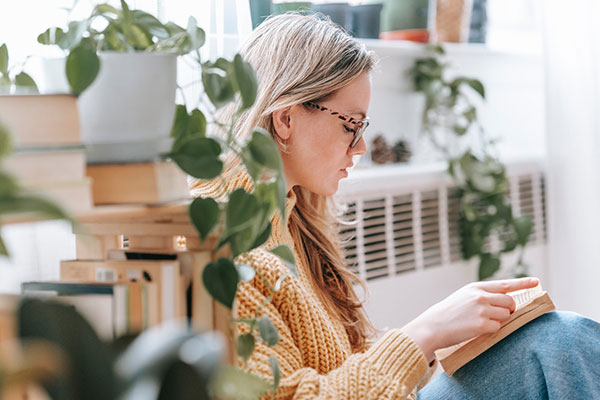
[{"x": 314, "y": 352}]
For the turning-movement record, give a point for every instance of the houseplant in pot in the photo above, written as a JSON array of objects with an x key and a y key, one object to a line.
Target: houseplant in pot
[
  {"x": 200, "y": 152},
  {"x": 125, "y": 74}
]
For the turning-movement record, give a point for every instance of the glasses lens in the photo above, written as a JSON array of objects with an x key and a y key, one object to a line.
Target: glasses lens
[{"x": 359, "y": 133}]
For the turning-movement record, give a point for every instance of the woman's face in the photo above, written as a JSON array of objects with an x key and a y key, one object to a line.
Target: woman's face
[{"x": 318, "y": 144}]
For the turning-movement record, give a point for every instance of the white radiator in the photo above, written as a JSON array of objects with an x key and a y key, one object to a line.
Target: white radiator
[{"x": 404, "y": 239}]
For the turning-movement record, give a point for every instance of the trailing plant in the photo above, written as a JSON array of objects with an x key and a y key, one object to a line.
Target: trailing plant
[
  {"x": 10, "y": 80},
  {"x": 246, "y": 215},
  {"x": 487, "y": 225},
  {"x": 200, "y": 152},
  {"x": 123, "y": 30}
]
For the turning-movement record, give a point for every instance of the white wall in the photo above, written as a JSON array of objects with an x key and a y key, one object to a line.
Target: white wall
[{"x": 514, "y": 83}]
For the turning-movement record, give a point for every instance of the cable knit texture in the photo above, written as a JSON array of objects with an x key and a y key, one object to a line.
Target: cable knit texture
[{"x": 314, "y": 352}]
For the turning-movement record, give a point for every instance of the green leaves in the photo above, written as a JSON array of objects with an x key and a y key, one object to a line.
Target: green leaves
[
  {"x": 24, "y": 80},
  {"x": 20, "y": 80},
  {"x": 245, "y": 81},
  {"x": 186, "y": 126},
  {"x": 199, "y": 157},
  {"x": 223, "y": 79},
  {"x": 475, "y": 84},
  {"x": 82, "y": 68},
  {"x": 3, "y": 60},
  {"x": 245, "y": 346},
  {"x": 218, "y": 88},
  {"x": 268, "y": 332},
  {"x": 204, "y": 214},
  {"x": 287, "y": 256},
  {"x": 264, "y": 150},
  {"x": 220, "y": 279},
  {"x": 275, "y": 371},
  {"x": 481, "y": 179},
  {"x": 488, "y": 266}
]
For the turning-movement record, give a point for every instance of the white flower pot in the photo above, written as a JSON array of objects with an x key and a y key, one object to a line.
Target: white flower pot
[{"x": 127, "y": 113}]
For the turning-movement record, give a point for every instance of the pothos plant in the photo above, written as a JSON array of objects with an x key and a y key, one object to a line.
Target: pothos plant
[
  {"x": 450, "y": 117},
  {"x": 10, "y": 79},
  {"x": 247, "y": 215},
  {"x": 109, "y": 28}
]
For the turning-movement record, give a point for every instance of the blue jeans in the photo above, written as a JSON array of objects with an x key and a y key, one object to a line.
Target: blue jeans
[{"x": 556, "y": 356}]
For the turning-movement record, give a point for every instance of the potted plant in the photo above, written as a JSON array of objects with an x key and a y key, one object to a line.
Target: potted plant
[
  {"x": 199, "y": 151},
  {"x": 449, "y": 118},
  {"x": 126, "y": 112}
]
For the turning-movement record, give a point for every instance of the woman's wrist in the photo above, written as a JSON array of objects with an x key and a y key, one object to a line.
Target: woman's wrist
[{"x": 423, "y": 337}]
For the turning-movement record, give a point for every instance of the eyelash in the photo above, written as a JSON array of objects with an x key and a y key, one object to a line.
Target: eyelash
[{"x": 349, "y": 130}]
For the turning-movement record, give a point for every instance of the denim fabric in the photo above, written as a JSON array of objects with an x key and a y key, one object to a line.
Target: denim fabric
[{"x": 556, "y": 356}]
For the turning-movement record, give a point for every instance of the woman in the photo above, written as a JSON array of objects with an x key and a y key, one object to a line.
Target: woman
[{"x": 314, "y": 93}]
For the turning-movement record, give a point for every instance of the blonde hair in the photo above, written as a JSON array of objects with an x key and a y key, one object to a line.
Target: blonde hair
[{"x": 300, "y": 58}]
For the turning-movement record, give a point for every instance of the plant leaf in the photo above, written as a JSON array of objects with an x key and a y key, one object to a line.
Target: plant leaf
[
  {"x": 477, "y": 86},
  {"x": 267, "y": 330},
  {"x": 199, "y": 157},
  {"x": 245, "y": 79},
  {"x": 4, "y": 59},
  {"x": 196, "y": 124},
  {"x": 488, "y": 266},
  {"x": 245, "y": 346},
  {"x": 149, "y": 23},
  {"x": 220, "y": 280},
  {"x": 218, "y": 88},
  {"x": 204, "y": 214},
  {"x": 287, "y": 256},
  {"x": 23, "y": 79},
  {"x": 523, "y": 227},
  {"x": 264, "y": 150},
  {"x": 82, "y": 68},
  {"x": 180, "y": 122},
  {"x": 276, "y": 372}
]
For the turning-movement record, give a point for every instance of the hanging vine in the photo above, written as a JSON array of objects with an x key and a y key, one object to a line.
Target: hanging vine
[{"x": 487, "y": 225}]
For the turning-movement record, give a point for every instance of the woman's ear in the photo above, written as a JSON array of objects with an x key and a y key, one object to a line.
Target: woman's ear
[{"x": 282, "y": 123}]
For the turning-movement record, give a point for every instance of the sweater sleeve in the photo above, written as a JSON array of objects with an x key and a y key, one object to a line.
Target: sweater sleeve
[{"x": 391, "y": 368}]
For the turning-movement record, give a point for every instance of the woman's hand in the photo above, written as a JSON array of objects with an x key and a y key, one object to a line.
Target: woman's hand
[{"x": 473, "y": 310}]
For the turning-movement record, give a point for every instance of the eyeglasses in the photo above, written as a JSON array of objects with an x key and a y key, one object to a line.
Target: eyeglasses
[{"x": 359, "y": 124}]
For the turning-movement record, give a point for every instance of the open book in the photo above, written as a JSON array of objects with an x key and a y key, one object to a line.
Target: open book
[{"x": 530, "y": 304}]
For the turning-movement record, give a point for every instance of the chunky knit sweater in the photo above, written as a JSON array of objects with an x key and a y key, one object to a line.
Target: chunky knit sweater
[{"x": 314, "y": 352}]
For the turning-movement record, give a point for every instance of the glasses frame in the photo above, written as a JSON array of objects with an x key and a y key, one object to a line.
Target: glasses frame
[{"x": 361, "y": 124}]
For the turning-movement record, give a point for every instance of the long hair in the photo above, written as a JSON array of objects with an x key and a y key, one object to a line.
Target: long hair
[{"x": 300, "y": 58}]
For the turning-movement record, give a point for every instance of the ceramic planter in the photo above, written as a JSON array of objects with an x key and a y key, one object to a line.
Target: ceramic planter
[{"x": 127, "y": 113}]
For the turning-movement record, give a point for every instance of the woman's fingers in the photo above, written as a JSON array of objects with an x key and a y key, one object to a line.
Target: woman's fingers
[
  {"x": 508, "y": 285},
  {"x": 499, "y": 314},
  {"x": 502, "y": 300}
]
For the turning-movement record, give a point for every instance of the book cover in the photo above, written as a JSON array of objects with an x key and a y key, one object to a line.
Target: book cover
[
  {"x": 41, "y": 119},
  {"x": 47, "y": 165},
  {"x": 153, "y": 182}
]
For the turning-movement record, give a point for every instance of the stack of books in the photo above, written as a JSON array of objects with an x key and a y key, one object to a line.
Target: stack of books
[
  {"x": 49, "y": 157},
  {"x": 116, "y": 297}
]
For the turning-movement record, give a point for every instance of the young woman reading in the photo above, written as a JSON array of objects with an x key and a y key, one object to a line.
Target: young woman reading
[{"x": 314, "y": 93}]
